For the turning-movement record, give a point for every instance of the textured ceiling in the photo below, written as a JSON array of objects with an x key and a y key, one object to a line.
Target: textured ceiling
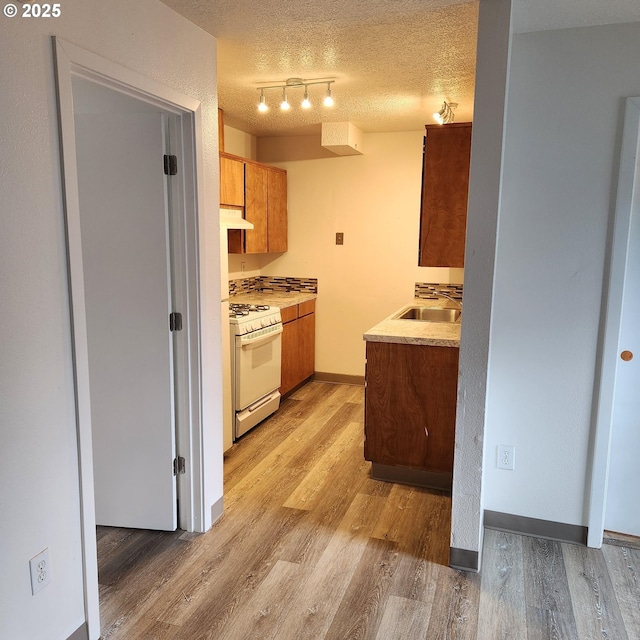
[{"x": 393, "y": 61}]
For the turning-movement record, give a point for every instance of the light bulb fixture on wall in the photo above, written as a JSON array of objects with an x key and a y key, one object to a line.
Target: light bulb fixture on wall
[
  {"x": 296, "y": 83},
  {"x": 446, "y": 114}
]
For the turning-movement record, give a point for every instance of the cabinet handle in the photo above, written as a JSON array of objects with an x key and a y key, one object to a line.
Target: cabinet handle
[{"x": 626, "y": 355}]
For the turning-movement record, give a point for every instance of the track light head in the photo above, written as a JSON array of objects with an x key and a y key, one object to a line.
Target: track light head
[
  {"x": 305, "y": 104},
  {"x": 284, "y": 105},
  {"x": 328, "y": 100},
  {"x": 262, "y": 105},
  {"x": 446, "y": 114}
]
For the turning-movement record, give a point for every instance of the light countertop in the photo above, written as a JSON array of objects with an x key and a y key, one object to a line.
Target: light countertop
[
  {"x": 281, "y": 299},
  {"x": 438, "y": 334}
]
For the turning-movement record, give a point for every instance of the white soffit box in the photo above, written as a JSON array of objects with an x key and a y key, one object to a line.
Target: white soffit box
[{"x": 343, "y": 138}]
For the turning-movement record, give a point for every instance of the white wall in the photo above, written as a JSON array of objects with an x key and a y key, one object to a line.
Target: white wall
[
  {"x": 492, "y": 75},
  {"x": 564, "y": 123},
  {"x": 239, "y": 143},
  {"x": 374, "y": 199},
  {"x": 39, "y": 473}
]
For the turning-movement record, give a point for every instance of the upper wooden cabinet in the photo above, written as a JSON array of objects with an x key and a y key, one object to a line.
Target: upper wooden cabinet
[
  {"x": 277, "y": 210},
  {"x": 231, "y": 181},
  {"x": 445, "y": 190},
  {"x": 264, "y": 198},
  {"x": 255, "y": 211}
]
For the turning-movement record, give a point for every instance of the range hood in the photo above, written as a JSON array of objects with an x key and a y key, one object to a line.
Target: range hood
[{"x": 232, "y": 219}]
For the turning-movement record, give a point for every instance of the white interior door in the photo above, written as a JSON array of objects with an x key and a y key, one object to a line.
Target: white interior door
[
  {"x": 622, "y": 509},
  {"x": 125, "y": 250}
]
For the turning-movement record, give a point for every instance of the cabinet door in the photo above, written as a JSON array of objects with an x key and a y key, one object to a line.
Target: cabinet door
[
  {"x": 256, "y": 208},
  {"x": 277, "y": 211},
  {"x": 290, "y": 362},
  {"x": 410, "y": 405},
  {"x": 307, "y": 346},
  {"x": 231, "y": 182},
  {"x": 445, "y": 190}
]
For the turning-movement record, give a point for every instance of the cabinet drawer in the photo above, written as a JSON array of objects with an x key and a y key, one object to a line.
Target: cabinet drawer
[
  {"x": 305, "y": 308},
  {"x": 289, "y": 313}
]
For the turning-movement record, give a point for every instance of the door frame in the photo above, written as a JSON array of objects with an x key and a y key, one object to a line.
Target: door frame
[
  {"x": 608, "y": 355},
  {"x": 73, "y": 61}
]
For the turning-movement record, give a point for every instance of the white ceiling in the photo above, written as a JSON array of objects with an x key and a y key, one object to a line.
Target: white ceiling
[{"x": 393, "y": 61}]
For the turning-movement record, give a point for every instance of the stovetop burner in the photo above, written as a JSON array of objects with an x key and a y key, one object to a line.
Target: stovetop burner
[{"x": 237, "y": 310}]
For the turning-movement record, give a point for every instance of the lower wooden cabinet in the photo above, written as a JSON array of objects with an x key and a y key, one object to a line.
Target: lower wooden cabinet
[
  {"x": 410, "y": 406},
  {"x": 298, "y": 344}
]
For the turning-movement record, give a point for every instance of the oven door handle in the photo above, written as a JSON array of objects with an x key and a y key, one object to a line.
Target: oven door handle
[{"x": 256, "y": 342}]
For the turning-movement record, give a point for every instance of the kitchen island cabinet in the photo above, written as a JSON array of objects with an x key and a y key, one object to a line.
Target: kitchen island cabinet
[
  {"x": 298, "y": 345},
  {"x": 411, "y": 379}
]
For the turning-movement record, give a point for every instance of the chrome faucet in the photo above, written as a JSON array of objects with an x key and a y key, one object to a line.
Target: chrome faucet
[{"x": 440, "y": 294}]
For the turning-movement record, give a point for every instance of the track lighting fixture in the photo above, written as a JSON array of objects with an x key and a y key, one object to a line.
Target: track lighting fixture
[
  {"x": 295, "y": 83},
  {"x": 446, "y": 114}
]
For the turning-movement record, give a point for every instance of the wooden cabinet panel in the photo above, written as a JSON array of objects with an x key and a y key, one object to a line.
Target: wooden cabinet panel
[
  {"x": 277, "y": 210},
  {"x": 298, "y": 345},
  {"x": 256, "y": 208},
  {"x": 231, "y": 181},
  {"x": 289, "y": 372},
  {"x": 410, "y": 405},
  {"x": 220, "y": 129},
  {"x": 445, "y": 190},
  {"x": 307, "y": 345}
]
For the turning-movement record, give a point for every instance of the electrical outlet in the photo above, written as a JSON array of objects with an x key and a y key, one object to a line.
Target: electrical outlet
[
  {"x": 40, "y": 567},
  {"x": 506, "y": 457},
  {"x": 339, "y": 238}
]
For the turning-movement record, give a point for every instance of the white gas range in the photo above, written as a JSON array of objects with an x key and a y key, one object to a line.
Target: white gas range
[{"x": 256, "y": 347}]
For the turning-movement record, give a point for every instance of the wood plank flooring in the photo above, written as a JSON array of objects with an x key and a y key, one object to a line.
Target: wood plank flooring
[{"x": 310, "y": 547}]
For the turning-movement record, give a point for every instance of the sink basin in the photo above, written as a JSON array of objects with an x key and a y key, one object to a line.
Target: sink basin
[{"x": 430, "y": 314}]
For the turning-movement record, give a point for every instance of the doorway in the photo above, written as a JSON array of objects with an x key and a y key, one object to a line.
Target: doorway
[
  {"x": 615, "y": 472},
  {"x": 177, "y": 117}
]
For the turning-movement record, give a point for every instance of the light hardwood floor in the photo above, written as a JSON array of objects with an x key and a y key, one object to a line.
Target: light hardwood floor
[{"x": 311, "y": 547}]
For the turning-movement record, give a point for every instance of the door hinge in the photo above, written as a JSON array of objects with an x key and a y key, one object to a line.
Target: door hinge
[
  {"x": 179, "y": 465},
  {"x": 170, "y": 165},
  {"x": 175, "y": 321}
]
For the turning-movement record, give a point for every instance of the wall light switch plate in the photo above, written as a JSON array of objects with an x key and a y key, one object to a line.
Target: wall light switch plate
[
  {"x": 40, "y": 568},
  {"x": 339, "y": 238},
  {"x": 506, "y": 457}
]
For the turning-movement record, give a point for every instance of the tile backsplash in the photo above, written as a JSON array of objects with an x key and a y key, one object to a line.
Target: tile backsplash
[
  {"x": 272, "y": 283},
  {"x": 428, "y": 290}
]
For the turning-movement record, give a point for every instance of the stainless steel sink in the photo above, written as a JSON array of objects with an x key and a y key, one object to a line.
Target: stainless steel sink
[{"x": 430, "y": 314}]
